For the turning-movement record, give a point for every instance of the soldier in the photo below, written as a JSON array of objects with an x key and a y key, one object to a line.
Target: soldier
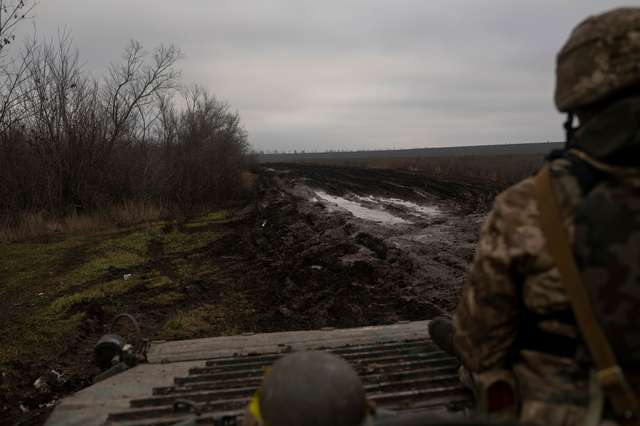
[
  {"x": 555, "y": 282},
  {"x": 310, "y": 389}
]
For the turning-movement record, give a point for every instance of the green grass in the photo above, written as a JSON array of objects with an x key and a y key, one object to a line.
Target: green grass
[
  {"x": 192, "y": 268},
  {"x": 216, "y": 216},
  {"x": 196, "y": 239},
  {"x": 34, "y": 341},
  {"x": 231, "y": 316},
  {"x": 226, "y": 318},
  {"x": 100, "y": 292},
  {"x": 44, "y": 287},
  {"x": 165, "y": 299},
  {"x": 158, "y": 281}
]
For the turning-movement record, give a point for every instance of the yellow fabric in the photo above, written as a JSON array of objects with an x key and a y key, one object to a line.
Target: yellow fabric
[
  {"x": 254, "y": 408},
  {"x": 254, "y": 405}
]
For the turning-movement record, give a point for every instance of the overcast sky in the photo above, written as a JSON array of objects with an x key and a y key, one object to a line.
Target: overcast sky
[{"x": 351, "y": 74}]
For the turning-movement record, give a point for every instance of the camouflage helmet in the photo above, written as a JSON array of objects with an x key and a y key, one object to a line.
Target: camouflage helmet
[
  {"x": 312, "y": 389},
  {"x": 601, "y": 58}
]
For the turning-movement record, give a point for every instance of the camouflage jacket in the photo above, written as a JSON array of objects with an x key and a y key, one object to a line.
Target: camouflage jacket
[{"x": 513, "y": 283}]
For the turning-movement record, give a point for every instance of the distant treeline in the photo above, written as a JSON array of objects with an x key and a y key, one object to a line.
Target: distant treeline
[
  {"x": 456, "y": 151},
  {"x": 72, "y": 143}
]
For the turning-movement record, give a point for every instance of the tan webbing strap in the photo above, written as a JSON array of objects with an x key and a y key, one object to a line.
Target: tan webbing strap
[{"x": 610, "y": 375}]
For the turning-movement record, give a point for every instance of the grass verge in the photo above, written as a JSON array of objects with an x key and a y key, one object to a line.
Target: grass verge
[{"x": 56, "y": 296}]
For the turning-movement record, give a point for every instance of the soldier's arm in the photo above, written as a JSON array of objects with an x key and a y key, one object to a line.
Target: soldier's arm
[{"x": 486, "y": 320}]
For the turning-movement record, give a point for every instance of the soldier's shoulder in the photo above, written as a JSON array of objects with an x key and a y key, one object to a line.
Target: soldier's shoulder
[{"x": 520, "y": 196}]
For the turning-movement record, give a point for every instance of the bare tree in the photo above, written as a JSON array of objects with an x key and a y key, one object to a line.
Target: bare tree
[
  {"x": 57, "y": 101},
  {"x": 204, "y": 150},
  {"x": 11, "y": 13},
  {"x": 137, "y": 95},
  {"x": 133, "y": 87},
  {"x": 12, "y": 69},
  {"x": 70, "y": 142},
  {"x": 80, "y": 128},
  {"x": 13, "y": 75}
]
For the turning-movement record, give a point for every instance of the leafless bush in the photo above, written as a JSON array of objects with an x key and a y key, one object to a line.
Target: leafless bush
[
  {"x": 203, "y": 150},
  {"x": 71, "y": 144}
]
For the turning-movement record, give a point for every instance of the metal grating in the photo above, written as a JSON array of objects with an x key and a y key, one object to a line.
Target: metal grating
[{"x": 398, "y": 376}]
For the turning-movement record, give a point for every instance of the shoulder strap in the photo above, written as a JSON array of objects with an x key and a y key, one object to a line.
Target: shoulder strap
[{"x": 610, "y": 375}]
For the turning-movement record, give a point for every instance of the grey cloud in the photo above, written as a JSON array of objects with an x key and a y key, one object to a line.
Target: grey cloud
[{"x": 352, "y": 74}]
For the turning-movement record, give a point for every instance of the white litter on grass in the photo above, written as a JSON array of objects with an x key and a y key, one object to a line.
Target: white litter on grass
[{"x": 358, "y": 210}]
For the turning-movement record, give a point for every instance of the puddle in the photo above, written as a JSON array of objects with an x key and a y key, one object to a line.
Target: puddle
[
  {"x": 360, "y": 211},
  {"x": 413, "y": 208}
]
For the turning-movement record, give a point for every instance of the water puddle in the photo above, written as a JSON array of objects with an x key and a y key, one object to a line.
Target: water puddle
[
  {"x": 360, "y": 211},
  {"x": 412, "y": 208},
  {"x": 376, "y": 209}
]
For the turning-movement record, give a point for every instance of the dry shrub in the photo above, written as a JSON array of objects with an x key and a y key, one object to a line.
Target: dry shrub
[
  {"x": 38, "y": 224},
  {"x": 135, "y": 212},
  {"x": 80, "y": 223},
  {"x": 30, "y": 224},
  {"x": 248, "y": 180},
  {"x": 72, "y": 146}
]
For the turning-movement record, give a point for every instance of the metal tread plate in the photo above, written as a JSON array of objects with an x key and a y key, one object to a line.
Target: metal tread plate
[
  {"x": 400, "y": 367},
  {"x": 247, "y": 344}
]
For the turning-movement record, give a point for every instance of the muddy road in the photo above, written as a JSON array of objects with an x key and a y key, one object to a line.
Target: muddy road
[
  {"x": 339, "y": 247},
  {"x": 315, "y": 247}
]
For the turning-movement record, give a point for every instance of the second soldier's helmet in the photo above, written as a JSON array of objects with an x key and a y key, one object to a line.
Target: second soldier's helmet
[
  {"x": 312, "y": 389},
  {"x": 600, "y": 59}
]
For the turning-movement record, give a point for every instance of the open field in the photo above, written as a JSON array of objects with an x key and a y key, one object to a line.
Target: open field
[
  {"x": 498, "y": 171},
  {"x": 320, "y": 246},
  {"x": 497, "y": 165},
  {"x": 513, "y": 149}
]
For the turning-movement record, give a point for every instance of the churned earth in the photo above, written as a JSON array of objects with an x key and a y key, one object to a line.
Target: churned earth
[
  {"x": 316, "y": 247},
  {"x": 348, "y": 247}
]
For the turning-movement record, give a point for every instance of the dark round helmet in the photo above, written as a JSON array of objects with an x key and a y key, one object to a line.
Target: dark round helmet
[
  {"x": 312, "y": 389},
  {"x": 600, "y": 59}
]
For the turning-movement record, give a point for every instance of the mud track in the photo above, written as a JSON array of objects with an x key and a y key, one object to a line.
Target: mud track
[
  {"x": 340, "y": 247},
  {"x": 316, "y": 247}
]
